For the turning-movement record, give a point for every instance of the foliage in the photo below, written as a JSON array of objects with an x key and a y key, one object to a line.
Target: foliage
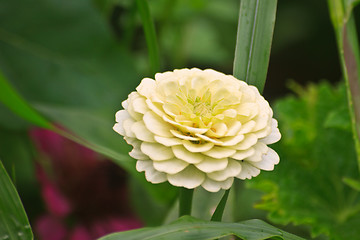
[
  {"x": 317, "y": 153},
  {"x": 13, "y": 220},
  {"x": 188, "y": 227}
]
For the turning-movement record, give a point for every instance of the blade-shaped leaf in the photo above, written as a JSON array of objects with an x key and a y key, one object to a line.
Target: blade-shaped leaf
[
  {"x": 186, "y": 228},
  {"x": 14, "y": 101},
  {"x": 13, "y": 220},
  {"x": 254, "y": 37}
]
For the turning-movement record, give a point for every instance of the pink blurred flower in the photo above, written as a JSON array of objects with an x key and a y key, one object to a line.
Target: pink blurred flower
[{"x": 81, "y": 187}]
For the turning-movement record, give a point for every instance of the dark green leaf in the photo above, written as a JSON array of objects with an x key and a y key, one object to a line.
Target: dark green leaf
[
  {"x": 187, "y": 228},
  {"x": 254, "y": 37},
  {"x": 13, "y": 220}
]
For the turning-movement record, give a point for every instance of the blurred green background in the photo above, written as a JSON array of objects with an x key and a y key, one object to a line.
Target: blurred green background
[{"x": 76, "y": 61}]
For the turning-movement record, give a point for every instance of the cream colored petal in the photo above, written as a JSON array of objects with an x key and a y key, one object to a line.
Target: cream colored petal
[
  {"x": 214, "y": 186},
  {"x": 183, "y": 154},
  {"x": 233, "y": 128},
  {"x": 231, "y": 113},
  {"x": 206, "y": 138},
  {"x": 156, "y": 125},
  {"x": 248, "y": 171},
  {"x": 210, "y": 164},
  {"x": 247, "y": 127},
  {"x": 199, "y": 83},
  {"x": 127, "y": 124},
  {"x": 233, "y": 169},
  {"x": 220, "y": 152},
  {"x": 139, "y": 105},
  {"x": 260, "y": 149},
  {"x": 141, "y": 166},
  {"x": 146, "y": 87},
  {"x": 156, "y": 152},
  {"x": 242, "y": 154},
  {"x": 249, "y": 109},
  {"x": 268, "y": 161},
  {"x": 249, "y": 141},
  {"x": 218, "y": 130},
  {"x": 119, "y": 129},
  {"x": 155, "y": 107},
  {"x": 274, "y": 136},
  {"x": 197, "y": 147},
  {"x": 183, "y": 127},
  {"x": 182, "y": 136},
  {"x": 231, "y": 141},
  {"x": 171, "y": 109},
  {"x": 141, "y": 132},
  {"x": 171, "y": 166},
  {"x": 168, "y": 142},
  {"x": 261, "y": 122},
  {"x": 121, "y": 115},
  {"x": 263, "y": 132},
  {"x": 190, "y": 178},
  {"x": 125, "y": 104},
  {"x": 137, "y": 154}
]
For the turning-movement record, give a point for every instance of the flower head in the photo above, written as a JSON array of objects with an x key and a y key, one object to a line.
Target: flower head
[{"x": 194, "y": 127}]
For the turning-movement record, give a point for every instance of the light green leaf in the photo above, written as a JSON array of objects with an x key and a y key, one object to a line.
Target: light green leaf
[
  {"x": 13, "y": 220},
  {"x": 254, "y": 37},
  {"x": 187, "y": 228},
  {"x": 307, "y": 186}
]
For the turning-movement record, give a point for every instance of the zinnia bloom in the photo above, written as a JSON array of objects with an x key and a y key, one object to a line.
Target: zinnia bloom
[{"x": 194, "y": 127}]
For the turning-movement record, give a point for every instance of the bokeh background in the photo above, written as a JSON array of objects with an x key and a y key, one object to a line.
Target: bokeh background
[{"x": 76, "y": 61}]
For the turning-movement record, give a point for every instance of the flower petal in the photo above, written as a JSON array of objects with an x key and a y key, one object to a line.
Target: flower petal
[
  {"x": 146, "y": 87},
  {"x": 233, "y": 169},
  {"x": 268, "y": 161},
  {"x": 137, "y": 154},
  {"x": 182, "y": 136},
  {"x": 260, "y": 149},
  {"x": 242, "y": 154},
  {"x": 248, "y": 171},
  {"x": 274, "y": 136},
  {"x": 214, "y": 186},
  {"x": 156, "y": 152},
  {"x": 190, "y": 178},
  {"x": 139, "y": 105},
  {"x": 168, "y": 142},
  {"x": 156, "y": 125},
  {"x": 197, "y": 147},
  {"x": 206, "y": 138},
  {"x": 141, "y": 132},
  {"x": 171, "y": 166},
  {"x": 249, "y": 141},
  {"x": 183, "y": 154},
  {"x": 127, "y": 124},
  {"x": 233, "y": 128},
  {"x": 220, "y": 152},
  {"x": 210, "y": 164},
  {"x": 231, "y": 141}
]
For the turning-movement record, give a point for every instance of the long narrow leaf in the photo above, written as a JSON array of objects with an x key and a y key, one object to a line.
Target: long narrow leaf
[
  {"x": 254, "y": 37},
  {"x": 348, "y": 46},
  {"x": 17, "y": 104},
  {"x": 190, "y": 228},
  {"x": 13, "y": 220}
]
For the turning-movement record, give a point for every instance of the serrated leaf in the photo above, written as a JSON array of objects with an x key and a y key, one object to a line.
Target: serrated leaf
[
  {"x": 186, "y": 228},
  {"x": 307, "y": 186}
]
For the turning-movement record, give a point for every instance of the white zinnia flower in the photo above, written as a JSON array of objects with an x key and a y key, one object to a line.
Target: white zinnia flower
[{"x": 193, "y": 127}]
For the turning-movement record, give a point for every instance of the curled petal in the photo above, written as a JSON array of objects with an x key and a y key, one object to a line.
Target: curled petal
[
  {"x": 171, "y": 166},
  {"x": 232, "y": 170},
  {"x": 156, "y": 152},
  {"x": 190, "y": 178},
  {"x": 220, "y": 152},
  {"x": 156, "y": 125},
  {"x": 141, "y": 132},
  {"x": 197, "y": 147},
  {"x": 248, "y": 171},
  {"x": 190, "y": 157},
  {"x": 168, "y": 142},
  {"x": 146, "y": 87},
  {"x": 214, "y": 186},
  {"x": 210, "y": 164}
]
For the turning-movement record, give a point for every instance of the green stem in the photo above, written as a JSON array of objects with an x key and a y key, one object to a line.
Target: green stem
[
  {"x": 150, "y": 35},
  {"x": 185, "y": 201},
  {"x": 219, "y": 211}
]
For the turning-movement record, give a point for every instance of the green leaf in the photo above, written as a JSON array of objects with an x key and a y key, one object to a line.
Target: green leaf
[
  {"x": 13, "y": 220},
  {"x": 355, "y": 184},
  {"x": 14, "y": 101},
  {"x": 191, "y": 228},
  {"x": 307, "y": 186},
  {"x": 254, "y": 37}
]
